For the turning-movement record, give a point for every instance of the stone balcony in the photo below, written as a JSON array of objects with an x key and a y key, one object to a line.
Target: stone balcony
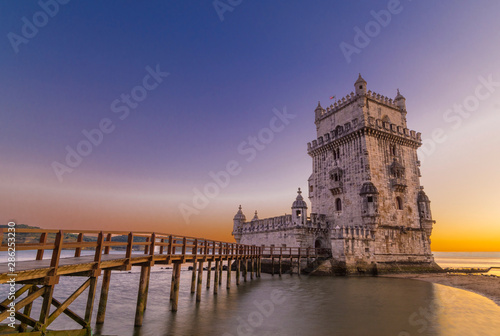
[
  {"x": 398, "y": 184},
  {"x": 335, "y": 187}
]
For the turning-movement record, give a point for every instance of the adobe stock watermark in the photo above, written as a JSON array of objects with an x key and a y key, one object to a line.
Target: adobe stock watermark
[
  {"x": 222, "y": 6},
  {"x": 249, "y": 149},
  {"x": 40, "y": 19},
  {"x": 363, "y": 37},
  {"x": 263, "y": 310},
  {"x": 456, "y": 115},
  {"x": 121, "y": 107}
]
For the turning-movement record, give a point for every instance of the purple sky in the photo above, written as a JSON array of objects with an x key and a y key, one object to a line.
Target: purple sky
[{"x": 226, "y": 77}]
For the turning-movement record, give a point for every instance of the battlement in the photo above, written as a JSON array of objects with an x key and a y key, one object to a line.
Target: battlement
[
  {"x": 266, "y": 224},
  {"x": 354, "y": 125},
  {"x": 352, "y": 97}
]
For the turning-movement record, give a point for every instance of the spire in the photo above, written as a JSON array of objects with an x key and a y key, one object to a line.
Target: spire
[
  {"x": 400, "y": 101},
  {"x": 299, "y": 201},
  {"x": 399, "y": 96},
  {"x": 255, "y": 217},
  {"x": 360, "y": 79},
  {"x": 360, "y": 86},
  {"x": 239, "y": 215},
  {"x": 319, "y": 107}
]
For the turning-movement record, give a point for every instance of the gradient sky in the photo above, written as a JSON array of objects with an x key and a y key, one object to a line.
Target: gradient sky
[{"x": 225, "y": 79}]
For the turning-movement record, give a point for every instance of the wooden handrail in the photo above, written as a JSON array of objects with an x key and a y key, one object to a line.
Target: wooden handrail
[{"x": 169, "y": 245}]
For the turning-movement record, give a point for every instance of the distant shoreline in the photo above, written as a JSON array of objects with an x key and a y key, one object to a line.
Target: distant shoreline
[{"x": 487, "y": 286}]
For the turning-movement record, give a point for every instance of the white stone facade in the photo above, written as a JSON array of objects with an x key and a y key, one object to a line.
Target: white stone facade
[{"x": 367, "y": 204}]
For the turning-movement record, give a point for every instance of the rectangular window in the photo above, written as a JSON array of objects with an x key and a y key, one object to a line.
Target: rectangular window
[{"x": 370, "y": 199}]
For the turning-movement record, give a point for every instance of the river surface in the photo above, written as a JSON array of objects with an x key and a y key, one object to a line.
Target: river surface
[{"x": 290, "y": 305}]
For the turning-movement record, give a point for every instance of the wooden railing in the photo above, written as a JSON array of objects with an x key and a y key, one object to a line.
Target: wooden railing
[{"x": 153, "y": 244}]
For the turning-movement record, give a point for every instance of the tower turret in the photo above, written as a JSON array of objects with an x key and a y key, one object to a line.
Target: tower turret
[
  {"x": 299, "y": 210},
  {"x": 369, "y": 209},
  {"x": 400, "y": 101},
  {"x": 424, "y": 211},
  {"x": 360, "y": 86},
  {"x": 238, "y": 221},
  {"x": 255, "y": 217},
  {"x": 318, "y": 112}
]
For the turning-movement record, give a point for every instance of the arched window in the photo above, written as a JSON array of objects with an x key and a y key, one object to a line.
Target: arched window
[
  {"x": 311, "y": 188},
  {"x": 399, "y": 203},
  {"x": 338, "y": 204}
]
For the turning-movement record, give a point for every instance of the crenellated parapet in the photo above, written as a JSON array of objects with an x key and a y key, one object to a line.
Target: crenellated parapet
[
  {"x": 356, "y": 97},
  {"x": 374, "y": 126},
  {"x": 267, "y": 224}
]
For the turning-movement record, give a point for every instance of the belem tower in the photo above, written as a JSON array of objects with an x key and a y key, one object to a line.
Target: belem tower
[{"x": 367, "y": 204}]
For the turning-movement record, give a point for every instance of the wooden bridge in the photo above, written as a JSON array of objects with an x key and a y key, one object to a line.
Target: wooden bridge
[{"x": 40, "y": 276}]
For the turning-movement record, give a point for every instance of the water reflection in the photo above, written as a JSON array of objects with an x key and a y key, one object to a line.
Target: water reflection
[{"x": 292, "y": 305}]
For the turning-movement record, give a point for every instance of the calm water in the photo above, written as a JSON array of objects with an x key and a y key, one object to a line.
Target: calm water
[{"x": 291, "y": 305}]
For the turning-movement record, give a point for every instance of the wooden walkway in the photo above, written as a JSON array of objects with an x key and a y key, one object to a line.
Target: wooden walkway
[{"x": 40, "y": 276}]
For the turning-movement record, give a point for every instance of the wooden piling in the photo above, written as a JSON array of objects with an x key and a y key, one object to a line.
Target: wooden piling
[
  {"x": 245, "y": 270},
  {"x": 193, "y": 278},
  {"x": 200, "y": 280},
  {"x": 142, "y": 295},
  {"x": 298, "y": 265},
  {"x": 220, "y": 271},
  {"x": 251, "y": 269},
  {"x": 103, "y": 300},
  {"x": 90, "y": 300},
  {"x": 279, "y": 271},
  {"x": 177, "y": 283},
  {"x": 238, "y": 262},
  {"x": 172, "y": 283},
  {"x": 209, "y": 273},
  {"x": 46, "y": 304},
  {"x": 228, "y": 280},
  {"x": 216, "y": 276}
]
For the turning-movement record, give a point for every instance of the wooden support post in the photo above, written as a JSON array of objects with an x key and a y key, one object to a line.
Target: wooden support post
[
  {"x": 177, "y": 282},
  {"x": 200, "y": 280},
  {"x": 279, "y": 267},
  {"x": 228, "y": 282},
  {"x": 103, "y": 300},
  {"x": 220, "y": 271},
  {"x": 245, "y": 270},
  {"x": 238, "y": 265},
  {"x": 251, "y": 269},
  {"x": 298, "y": 266},
  {"x": 172, "y": 283},
  {"x": 46, "y": 304},
  {"x": 216, "y": 277},
  {"x": 90, "y": 300},
  {"x": 78, "y": 250},
  {"x": 272, "y": 266},
  {"x": 209, "y": 273},
  {"x": 43, "y": 240},
  {"x": 291, "y": 262},
  {"x": 193, "y": 277},
  {"x": 259, "y": 265}
]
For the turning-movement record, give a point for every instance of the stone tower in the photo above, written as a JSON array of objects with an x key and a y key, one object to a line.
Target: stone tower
[
  {"x": 365, "y": 182},
  {"x": 367, "y": 203}
]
